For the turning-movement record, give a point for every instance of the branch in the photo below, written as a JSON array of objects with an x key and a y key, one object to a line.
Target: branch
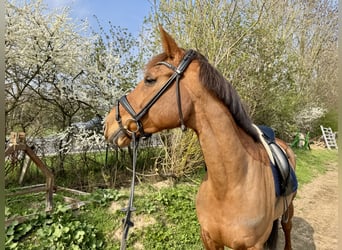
[{"x": 249, "y": 29}]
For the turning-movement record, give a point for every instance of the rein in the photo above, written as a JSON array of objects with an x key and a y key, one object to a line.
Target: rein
[
  {"x": 129, "y": 209},
  {"x": 136, "y": 118}
]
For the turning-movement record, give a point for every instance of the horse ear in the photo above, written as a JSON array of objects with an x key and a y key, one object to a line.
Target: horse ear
[{"x": 169, "y": 45}]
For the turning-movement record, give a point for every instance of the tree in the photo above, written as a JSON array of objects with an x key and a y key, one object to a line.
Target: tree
[
  {"x": 315, "y": 42},
  {"x": 43, "y": 59},
  {"x": 277, "y": 54},
  {"x": 59, "y": 72}
]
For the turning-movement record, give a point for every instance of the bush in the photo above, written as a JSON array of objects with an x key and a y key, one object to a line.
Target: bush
[
  {"x": 328, "y": 120},
  {"x": 60, "y": 230}
]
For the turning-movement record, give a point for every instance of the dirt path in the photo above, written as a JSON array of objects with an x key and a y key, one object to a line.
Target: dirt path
[{"x": 316, "y": 214}]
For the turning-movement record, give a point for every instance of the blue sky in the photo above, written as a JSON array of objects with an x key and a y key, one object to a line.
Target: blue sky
[{"x": 125, "y": 13}]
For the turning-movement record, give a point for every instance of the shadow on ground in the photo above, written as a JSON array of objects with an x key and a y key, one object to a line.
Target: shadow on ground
[{"x": 302, "y": 235}]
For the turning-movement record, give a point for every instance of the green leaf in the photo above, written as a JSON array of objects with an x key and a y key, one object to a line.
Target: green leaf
[
  {"x": 13, "y": 245},
  {"x": 79, "y": 236},
  {"x": 66, "y": 229},
  {"x": 9, "y": 240},
  {"x": 10, "y": 231},
  {"x": 58, "y": 232}
]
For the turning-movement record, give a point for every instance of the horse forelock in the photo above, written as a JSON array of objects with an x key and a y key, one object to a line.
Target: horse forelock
[
  {"x": 214, "y": 81},
  {"x": 158, "y": 58}
]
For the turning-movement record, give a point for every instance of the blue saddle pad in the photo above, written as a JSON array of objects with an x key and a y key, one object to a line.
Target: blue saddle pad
[{"x": 279, "y": 190}]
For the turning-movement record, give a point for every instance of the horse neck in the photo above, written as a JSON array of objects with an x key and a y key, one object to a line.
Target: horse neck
[{"x": 227, "y": 149}]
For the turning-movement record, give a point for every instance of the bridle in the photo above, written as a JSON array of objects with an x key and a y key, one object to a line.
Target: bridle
[
  {"x": 136, "y": 117},
  {"x": 139, "y": 131}
]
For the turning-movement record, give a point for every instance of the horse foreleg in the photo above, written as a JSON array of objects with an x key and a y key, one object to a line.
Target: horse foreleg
[
  {"x": 208, "y": 243},
  {"x": 287, "y": 226}
]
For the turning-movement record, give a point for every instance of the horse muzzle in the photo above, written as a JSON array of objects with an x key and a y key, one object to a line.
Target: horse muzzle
[
  {"x": 115, "y": 133},
  {"x": 120, "y": 132},
  {"x": 119, "y": 138}
]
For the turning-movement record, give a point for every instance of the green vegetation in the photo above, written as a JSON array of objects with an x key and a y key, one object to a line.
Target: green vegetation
[
  {"x": 176, "y": 225},
  {"x": 59, "y": 230},
  {"x": 88, "y": 170},
  {"x": 165, "y": 217},
  {"x": 312, "y": 163}
]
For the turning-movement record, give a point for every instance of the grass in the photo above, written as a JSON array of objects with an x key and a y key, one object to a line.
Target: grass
[
  {"x": 165, "y": 217},
  {"x": 312, "y": 163}
]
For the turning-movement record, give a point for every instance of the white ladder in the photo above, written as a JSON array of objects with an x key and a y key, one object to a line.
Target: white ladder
[{"x": 329, "y": 137}]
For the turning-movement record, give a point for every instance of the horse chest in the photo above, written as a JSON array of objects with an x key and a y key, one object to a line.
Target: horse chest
[
  {"x": 211, "y": 211},
  {"x": 231, "y": 219}
]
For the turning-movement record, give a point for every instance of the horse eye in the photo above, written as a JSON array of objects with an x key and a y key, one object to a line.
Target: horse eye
[{"x": 149, "y": 80}]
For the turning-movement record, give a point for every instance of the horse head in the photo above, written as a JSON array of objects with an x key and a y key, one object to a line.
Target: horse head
[{"x": 161, "y": 100}]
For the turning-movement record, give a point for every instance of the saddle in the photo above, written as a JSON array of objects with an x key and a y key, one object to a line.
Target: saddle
[{"x": 284, "y": 175}]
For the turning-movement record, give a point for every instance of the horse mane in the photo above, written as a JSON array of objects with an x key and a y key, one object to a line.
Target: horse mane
[{"x": 214, "y": 81}]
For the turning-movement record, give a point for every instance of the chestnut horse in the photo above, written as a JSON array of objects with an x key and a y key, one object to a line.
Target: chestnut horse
[{"x": 236, "y": 203}]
